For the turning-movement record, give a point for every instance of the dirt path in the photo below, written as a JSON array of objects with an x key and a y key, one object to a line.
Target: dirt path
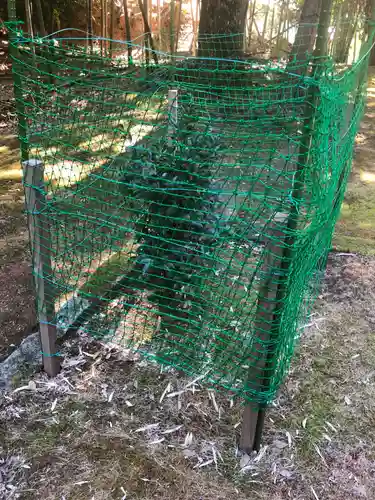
[{"x": 16, "y": 294}]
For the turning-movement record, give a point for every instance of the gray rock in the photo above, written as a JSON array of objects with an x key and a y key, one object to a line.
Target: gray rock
[{"x": 28, "y": 354}]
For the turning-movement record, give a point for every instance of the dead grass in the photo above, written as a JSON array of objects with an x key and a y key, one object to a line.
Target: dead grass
[{"x": 112, "y": 425}]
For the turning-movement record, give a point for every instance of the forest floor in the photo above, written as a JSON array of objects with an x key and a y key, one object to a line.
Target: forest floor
[{"x": 114, "y": 426}]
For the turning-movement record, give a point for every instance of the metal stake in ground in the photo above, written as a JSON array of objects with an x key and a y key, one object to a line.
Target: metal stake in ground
[{"x": 40, "y": 239}]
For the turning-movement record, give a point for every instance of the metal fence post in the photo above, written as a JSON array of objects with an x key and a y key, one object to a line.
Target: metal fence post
[{"x": 39, "y": 227}]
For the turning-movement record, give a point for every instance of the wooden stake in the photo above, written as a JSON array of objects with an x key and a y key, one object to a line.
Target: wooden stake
[
  {"x": 40, "y": 245},
  {"x": 264, "y": 320},
  {"x": 281, "y": 250},
  {"x": 172, "y": 114}
]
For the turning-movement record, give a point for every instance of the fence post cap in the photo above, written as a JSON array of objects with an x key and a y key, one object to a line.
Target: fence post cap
[{"x": 32, "y": 163}]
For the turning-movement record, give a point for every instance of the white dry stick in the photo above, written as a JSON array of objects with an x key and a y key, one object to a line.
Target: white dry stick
[
  {"x": 261, "y": 454},
  {"x": 69, "y": 383},
  {"x": 110, "y": 397},
  {"x": 314, "y": 493},
  {"x": 23, "y": 388},
  {"x": 289, "y": 437},
  {"x": 166, "y": 390},
  {"x": 193, "y": 382},
  {"x": 174, "y": 394},
  {"x": 157, "y": 441},
  {"x": 331, "y": 426},
  {"x": 147, "y": 427},
  {"x": 320, "y": 454},
  {"x": 170, "y": 431},
  {"x": 53, "y": 406},
  {"x": 211, "y": 396},
  {"x": 188, "y": 439},
  {"x": 219, "y": 455},
  {"x": 203, "y": 464},
  {"x": 214, "y": 456}
]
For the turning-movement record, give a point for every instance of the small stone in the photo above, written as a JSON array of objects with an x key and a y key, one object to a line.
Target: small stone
[
  {"x": 280, "y": 444},
  {"x": 189, "y": 453},
  {"x": 245, "y": 460},
  {"x": 360, "y": 491},
  {"x": 286, "y": 473}
]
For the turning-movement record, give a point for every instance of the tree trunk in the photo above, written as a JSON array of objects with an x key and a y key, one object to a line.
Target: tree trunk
[
  {"x": 112, "y": 27},
  {"x": 89, "y": 24},
  {"x": 171, "y": 26},
  {"x": 306, "y": 34},
  {"x": 128, "y": 36},
  {"x": 224, "y": 17},
  {"x": 264, "y": 30},
  {"x": 102, "y": 27},
  {"x": 29, "y": 24},
  {"x": 147, "y": 31},
  {"x": 344, "y": 34},
  {"x": 251, "y": 22},
  {"x": 105, "y": 26},
  {"x": 159, "y": 24},
  {"x": 39, "y": 12},
  {"x": 179, "y": 12}
]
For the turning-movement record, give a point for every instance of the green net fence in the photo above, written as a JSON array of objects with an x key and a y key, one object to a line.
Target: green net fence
[{"x": 188, "y": 203}]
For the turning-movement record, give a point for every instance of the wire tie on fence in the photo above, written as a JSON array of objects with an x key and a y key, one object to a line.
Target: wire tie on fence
[
  {"x": 50, "y": 355},
  {"x": 33, "y": 212}
]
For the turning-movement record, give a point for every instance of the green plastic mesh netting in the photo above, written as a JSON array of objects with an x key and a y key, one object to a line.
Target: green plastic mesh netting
[{"x": 188, "y": 202}]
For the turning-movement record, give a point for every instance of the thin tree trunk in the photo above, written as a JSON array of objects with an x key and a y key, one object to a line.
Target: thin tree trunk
[
  {"x": 344, "y": 33},
  {"x": 265, "y": 21},
  {"x": 251, "y": 22},
  {"x": 128, "y": 36},
  {"x": 112, "y": 28},
  {"x": 197, "y": 11},
  {"x": 306, "y": 34},
  {"x": 29, "y": 23},
  {"x": 171, "y": 26},
  {"x": 194, "y": 17},
  {"x": 102, "y": 27},
  {"x": 279, "y": 30},
  {"x": 337, "y": 29},
  {"x": 286, "y": 17},
  {"x": 106, "y": 27},
  {"x": 159, "y": 23},
  {"x": 89, "y": 24},
  {"x": 147, "y": 30},
  {"x": 39, "y": 12},
  {"x": 272, "y": 22},
  {"x": 178, "y": 24}
]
